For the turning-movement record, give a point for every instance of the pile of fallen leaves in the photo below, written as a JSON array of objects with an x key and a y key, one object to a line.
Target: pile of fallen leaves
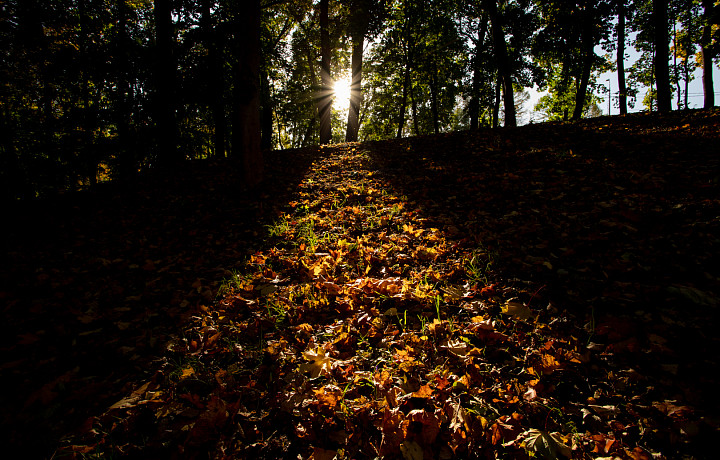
[{"x": 544, "y": 292}]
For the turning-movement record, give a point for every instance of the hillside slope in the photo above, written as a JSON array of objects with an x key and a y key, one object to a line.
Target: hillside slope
[{"x": 461, "y": 295}]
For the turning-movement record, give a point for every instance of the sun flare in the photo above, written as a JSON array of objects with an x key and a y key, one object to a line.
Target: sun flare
[{"x": 342, "y": 92}]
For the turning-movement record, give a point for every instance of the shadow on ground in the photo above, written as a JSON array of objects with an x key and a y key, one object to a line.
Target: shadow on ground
[
  {"x": 94, "y": 284},
  {"x": 614, "y": 219}
]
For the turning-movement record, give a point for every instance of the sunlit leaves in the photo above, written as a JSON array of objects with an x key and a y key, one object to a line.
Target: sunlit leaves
[{"x": 319, "y": 363}]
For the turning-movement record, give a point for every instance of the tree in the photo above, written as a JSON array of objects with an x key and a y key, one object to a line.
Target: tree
[
  {"x": 214, "y": 77},
  {"x": 416, "y": 66},
  {"x": 566, "y": 47},
  {"x": 686, "y": 35},
  {"x": 325, "y": 97},
  {"x": 709, "y": 49},
  {"x": 365, "y": 18},
  {"x": 246, "y": 117},
  {"x": 475, "y": 31},
  {"x": 662, "y": 54},
  {"x": 504, "y": 75},
  {"x": 165, "y": 74},
  {"x": 622, "y": 85},
  {"x": 561, "y": 99},
  {"x": 127, "y": 162}
]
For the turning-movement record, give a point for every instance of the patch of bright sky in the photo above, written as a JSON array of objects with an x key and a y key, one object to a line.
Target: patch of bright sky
[{"x": 695, "y": 89}]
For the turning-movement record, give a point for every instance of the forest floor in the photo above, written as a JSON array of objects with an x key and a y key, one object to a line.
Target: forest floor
[{"x": 547, "y": 291}]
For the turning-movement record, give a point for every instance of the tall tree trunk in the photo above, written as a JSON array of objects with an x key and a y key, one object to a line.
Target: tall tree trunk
[
  {"x": 165, "y": 123},
  {"x": 662, "y": 55},
  {"x": 403, "y": 105},
  {"x": 326, "y": 94},
  {"x": 707, "y": 55},
  {"x": 496, "y": 103},
  {"x": 434, "y": 98},
  {"x": 353, "y": 122},
  {"x": 246, "y": 122},
  {"x": 214, "y": 80},
  {"x": 413, "y": 104},
  {"x": 310, "y": 56},
  {"x": 88, "y": 159},
  {"x": 266, "y": 112},
  {"x": 676, "y": 69},
  {"x": 308, "y": 135},
  {"x": 474, "y": 106},
  {"x": 502, "y": 62},
  {"x": 587, "y": 59},
  {"x": 128, "y": 162},
  {"x": 622, "y": 86},
  {"x": 686, "y": 72},
  {"x": 474, "y": 109}
]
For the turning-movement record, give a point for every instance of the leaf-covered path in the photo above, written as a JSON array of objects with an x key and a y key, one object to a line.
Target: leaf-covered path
[{"x": 550, "y": 290}]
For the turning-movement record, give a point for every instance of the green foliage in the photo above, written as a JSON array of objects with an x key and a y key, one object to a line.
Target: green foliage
[
  {"x": 416, "y": 71},
  {"x": 559, "y": 103},
  {"x": 565, "y": 49},
  {"x": 81, "y": 92}
]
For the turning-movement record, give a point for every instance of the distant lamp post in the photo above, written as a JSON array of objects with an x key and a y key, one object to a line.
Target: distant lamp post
[{"x": 609, "y": 94}]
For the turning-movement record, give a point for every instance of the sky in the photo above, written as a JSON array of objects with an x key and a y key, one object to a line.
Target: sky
[{"x": 695, "y": 91}]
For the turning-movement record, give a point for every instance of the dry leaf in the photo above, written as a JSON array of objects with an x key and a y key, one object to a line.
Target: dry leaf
[
  {"x": 517, "y": 310},
  {"x": 319, "y": 363}
]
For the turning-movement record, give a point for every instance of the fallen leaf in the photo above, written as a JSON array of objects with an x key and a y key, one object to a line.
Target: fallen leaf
[
  {"x": 319, "y": 363},
  {"x": 517, "y": 310},
  {"x": 544, "y": 445}
]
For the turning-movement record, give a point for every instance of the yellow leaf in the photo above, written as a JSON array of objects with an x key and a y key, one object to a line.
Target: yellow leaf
[
  {"x": 319, "y": 363},
  {"x": 187, "y": 372}
]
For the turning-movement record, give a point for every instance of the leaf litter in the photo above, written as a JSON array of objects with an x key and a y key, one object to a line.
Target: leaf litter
[{"x": 544, "y": 292}]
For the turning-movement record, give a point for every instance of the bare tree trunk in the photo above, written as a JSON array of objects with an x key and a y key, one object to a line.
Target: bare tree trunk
[
  {"x": 474, "y": 108},
  {"x": 310, "y": 55},
  {"x": 88, "y": 163},
  {"x": 353, "y": 122},
  {"x": 581, "y": 93},
  {"x": 662, "y": 55},
  {"x": 214, "y": 81},
  {"x": 266, "y": 112},
  {"x": 496, "y": 104},
  {"x": 326, "y": 94},
  {"x": 128, "y": 162},
  {"x": 686, "y": 72},
  {"x": 622, "y": 86},
  {"x": 246, "y": 123},
  {"x": 707, "y": 56},
  {"x": 434, "y": 99},
  {"x": 403, "y": 106},
  {"x": 165, "y": 123},
  {"x": 502, "y": 61},
  {"x": 413, "y": 105},
  {"x": 676, "y": 69}
]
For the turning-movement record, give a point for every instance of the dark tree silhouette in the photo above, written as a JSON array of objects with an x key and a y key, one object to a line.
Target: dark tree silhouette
[
  {"x": 622, "y": 86},
  {"x": 662, "y": 55},
  {"x": 709, "y": 19},
  {"x": 325, "y": 97},
  {"x": 165, "y": 71},
  {"x": 503, "y": 64},
  {"x": 246, "y": 104}
]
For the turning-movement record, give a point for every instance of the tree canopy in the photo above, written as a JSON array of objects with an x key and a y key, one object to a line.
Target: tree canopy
[{"x": 95, "y": 90}]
